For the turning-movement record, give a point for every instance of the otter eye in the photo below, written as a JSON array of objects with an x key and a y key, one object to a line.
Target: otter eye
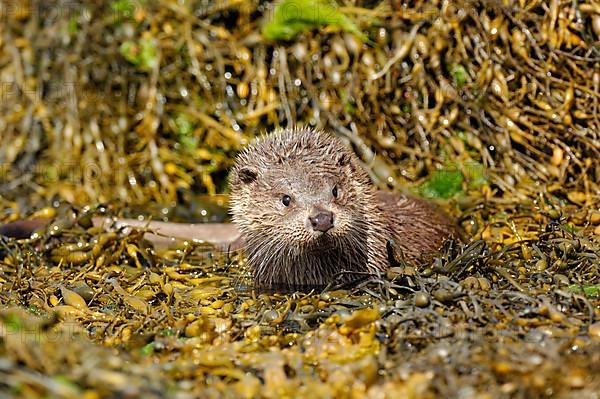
[
  {"x": 334, "y": 191},
  {"x": 286, "y": 200}
]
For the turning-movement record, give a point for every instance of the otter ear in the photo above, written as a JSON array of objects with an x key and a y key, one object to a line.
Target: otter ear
[
  {"x": 343, "y": 160},
  {"x": 247, "y": 175}
]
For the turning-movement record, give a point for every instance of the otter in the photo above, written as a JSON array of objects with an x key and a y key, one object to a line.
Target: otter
[
  {"x": 306, "y": 213},
  {"x": 309, "y": 214}
]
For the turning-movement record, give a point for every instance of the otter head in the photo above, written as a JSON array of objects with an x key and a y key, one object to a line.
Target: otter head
[{"x": 301, "y": 200}]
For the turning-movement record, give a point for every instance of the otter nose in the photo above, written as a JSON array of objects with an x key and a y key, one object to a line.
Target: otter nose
[{"x": 322, "y": 221}]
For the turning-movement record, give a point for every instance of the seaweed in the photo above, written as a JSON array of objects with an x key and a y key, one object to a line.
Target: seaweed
[{"x": 491, "y": 105}]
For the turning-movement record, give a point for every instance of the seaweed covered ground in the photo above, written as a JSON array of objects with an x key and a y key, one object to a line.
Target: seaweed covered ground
[{"x": 127, "y": 108}]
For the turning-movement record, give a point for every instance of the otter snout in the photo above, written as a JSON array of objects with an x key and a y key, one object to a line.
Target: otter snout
[{"x": 321, "y": 221}]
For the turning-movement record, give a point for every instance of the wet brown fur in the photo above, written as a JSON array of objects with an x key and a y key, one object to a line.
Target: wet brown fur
[{"x": 306, "y": 164}]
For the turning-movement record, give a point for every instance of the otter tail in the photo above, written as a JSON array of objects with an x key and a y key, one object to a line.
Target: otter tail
[
  {"x": 162, "y": 234},
  {"x": 23, "y": 228}
]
